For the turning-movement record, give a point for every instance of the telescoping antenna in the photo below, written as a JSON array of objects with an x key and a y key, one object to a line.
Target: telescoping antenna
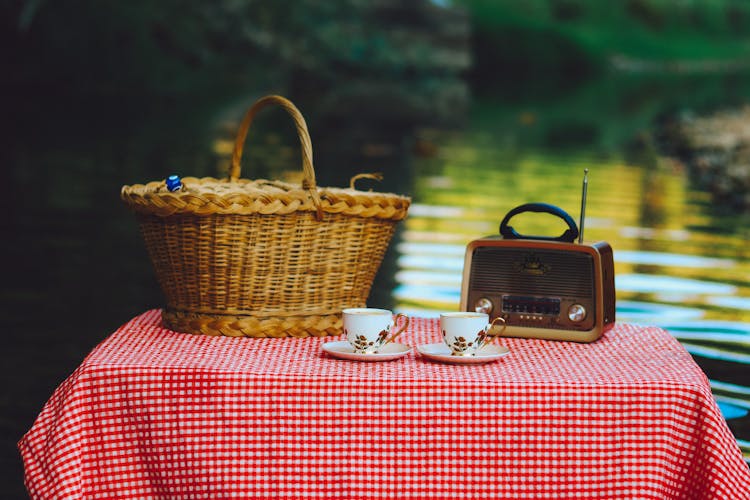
[{"x": 583, "y": 204}]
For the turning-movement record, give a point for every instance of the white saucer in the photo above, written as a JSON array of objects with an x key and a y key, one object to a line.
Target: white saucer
[
  {"x": 440, "y": 352},
  {"x": 344, "y": 350}
]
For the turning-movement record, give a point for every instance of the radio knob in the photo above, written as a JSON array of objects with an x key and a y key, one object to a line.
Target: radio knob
[
  {"x": 483, "y": 305},
  {"x": 576, "y": 313}
]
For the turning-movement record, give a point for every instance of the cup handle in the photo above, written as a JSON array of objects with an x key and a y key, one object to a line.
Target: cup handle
[
  {"x": 489, "y": 338},
  {"x": 400, "y": 330}
]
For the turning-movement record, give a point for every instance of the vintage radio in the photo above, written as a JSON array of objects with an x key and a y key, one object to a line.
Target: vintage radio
[{"x": 544, "y": 287}]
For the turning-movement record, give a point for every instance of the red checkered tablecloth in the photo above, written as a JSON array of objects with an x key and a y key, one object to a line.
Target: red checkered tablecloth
[{"x": 153, "y": 413}]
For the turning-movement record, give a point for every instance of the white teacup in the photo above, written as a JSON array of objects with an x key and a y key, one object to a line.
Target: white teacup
[
  {"x": 465, "y": 333},
  {"x": 368, "y": 329}
]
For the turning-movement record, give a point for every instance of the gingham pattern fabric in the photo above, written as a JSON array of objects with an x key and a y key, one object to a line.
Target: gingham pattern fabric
[{"x": 153, "y": 413}]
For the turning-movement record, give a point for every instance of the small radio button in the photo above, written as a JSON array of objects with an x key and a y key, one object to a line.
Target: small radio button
[
  {"x": 483, "y": 305},
  {"x": 576, "y": 313}
]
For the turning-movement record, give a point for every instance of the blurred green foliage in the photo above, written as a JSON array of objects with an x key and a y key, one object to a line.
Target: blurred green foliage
[
  {"x": 173, "y": 45},
  {"x": 578, "y": 39},
  {"x": 649, "y": 29}
]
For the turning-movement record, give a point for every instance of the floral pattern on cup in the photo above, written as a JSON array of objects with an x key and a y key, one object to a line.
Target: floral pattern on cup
[
  {"x": 362, "y": 344},
  {"x": 462, "y": 345}
]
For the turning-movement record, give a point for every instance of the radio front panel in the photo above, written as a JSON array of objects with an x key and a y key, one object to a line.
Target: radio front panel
[
  {"x": 546, "y": 290},
  {"x": 534, "y": 287}
]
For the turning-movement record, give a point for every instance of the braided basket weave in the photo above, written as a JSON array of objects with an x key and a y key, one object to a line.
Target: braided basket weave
[{"x": 262, "y": 258}]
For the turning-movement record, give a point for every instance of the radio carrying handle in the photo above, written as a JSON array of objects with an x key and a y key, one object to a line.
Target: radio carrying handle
[{"x": 568, "y": 236}]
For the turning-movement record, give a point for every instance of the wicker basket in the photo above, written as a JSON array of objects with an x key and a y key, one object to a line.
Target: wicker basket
[{"x": 262, "y": 258}]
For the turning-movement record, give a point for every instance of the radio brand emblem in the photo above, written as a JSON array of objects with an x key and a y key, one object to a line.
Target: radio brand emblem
[{"x": 532, "y": 265}]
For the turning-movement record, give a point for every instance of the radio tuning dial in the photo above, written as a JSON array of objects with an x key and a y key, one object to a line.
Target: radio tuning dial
[
  {"x": 483, "y": 305},
  {"x": 576, "y": 313}
]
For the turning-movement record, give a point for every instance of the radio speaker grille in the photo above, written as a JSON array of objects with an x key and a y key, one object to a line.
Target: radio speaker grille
[{"x": 534, "y": 272}]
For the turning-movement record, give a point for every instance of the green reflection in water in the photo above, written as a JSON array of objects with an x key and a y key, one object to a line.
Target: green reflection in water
[{"x": 636, "y": 207}]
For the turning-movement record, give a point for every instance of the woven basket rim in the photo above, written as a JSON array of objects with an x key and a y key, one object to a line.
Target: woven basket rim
[{"x": 208, "y": 195}]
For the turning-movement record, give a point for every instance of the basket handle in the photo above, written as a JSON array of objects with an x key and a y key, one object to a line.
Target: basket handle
[
  {"x": 375, "y": 176},
  {"x": 308, "y": 181}
]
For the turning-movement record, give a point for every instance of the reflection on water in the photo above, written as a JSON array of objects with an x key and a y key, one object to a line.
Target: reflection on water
[{"x": 676, "y": 262}]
